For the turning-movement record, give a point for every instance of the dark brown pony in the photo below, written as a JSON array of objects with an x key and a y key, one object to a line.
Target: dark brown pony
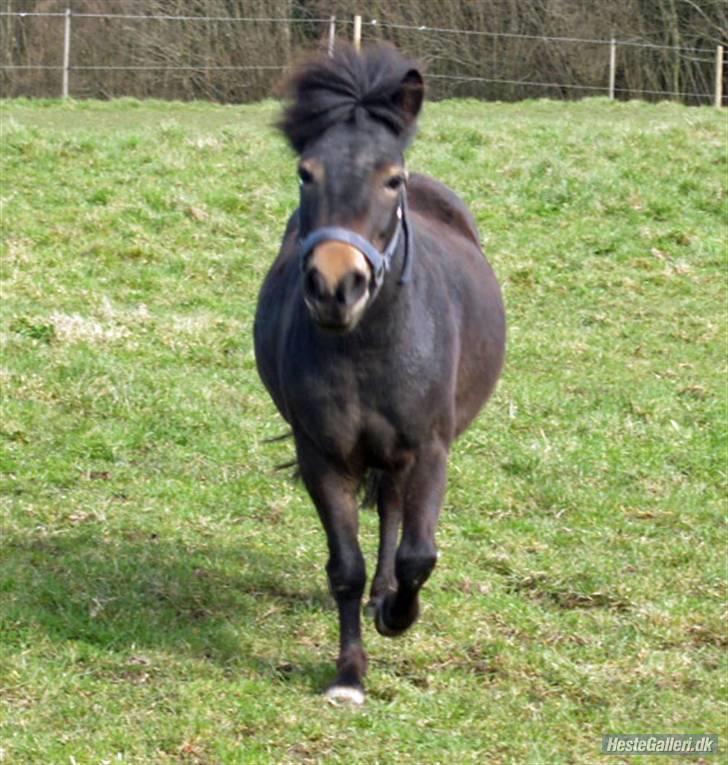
[{"x": 379, "y": 333}]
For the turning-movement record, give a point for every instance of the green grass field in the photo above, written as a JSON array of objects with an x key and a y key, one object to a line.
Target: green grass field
[{"x": 162, "y": 591}]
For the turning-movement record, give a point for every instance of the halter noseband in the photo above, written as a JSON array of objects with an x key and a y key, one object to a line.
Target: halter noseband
[{"x": 379, "y": 261}]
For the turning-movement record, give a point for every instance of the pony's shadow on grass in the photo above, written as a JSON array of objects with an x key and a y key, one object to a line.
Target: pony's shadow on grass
[{"x": 129, "y": 594}]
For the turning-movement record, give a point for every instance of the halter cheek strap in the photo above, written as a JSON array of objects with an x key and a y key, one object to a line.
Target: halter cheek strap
[{"x": 379, "y": 261}]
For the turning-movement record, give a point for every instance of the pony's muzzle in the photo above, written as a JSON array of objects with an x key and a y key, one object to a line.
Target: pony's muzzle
[{"x": 336, "y": 282}]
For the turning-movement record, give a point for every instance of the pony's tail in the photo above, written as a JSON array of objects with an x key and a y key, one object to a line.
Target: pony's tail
[
  {"x": 369, "y": 488},
  {"x": 288, "y": 464},
  {"x": 282, "y": 437}
]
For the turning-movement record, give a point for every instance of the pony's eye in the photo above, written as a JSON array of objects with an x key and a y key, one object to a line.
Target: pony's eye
[
  {"x": 305, "y": 175},
  {"x": 395, "y": 182}
]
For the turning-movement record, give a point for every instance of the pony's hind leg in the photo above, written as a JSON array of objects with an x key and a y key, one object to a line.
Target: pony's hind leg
[
  {"x": 389, "y": 507},
  {"x": 335, "y": 500},
  {"x": 417, "y": 554}
]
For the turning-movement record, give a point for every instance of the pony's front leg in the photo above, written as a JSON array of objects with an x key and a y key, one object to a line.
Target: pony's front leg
[
  {"x": 334, "y": 495},
  {"x": 417, "y": 554},
  {"x": 389, "y": 507}
]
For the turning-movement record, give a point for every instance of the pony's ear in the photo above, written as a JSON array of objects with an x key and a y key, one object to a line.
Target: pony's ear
[{"x": 410, "y": 95}]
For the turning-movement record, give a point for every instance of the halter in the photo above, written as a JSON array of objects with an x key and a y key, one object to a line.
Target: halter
[{"x": 379, "y": 261}]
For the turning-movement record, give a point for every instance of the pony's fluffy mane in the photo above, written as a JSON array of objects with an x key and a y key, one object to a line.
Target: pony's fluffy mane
[{"x": 325, "y": 91}]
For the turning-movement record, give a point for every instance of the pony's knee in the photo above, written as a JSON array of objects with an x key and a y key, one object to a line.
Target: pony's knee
[
  {"x": 347, "y": 576},
  {"x": 414, "y": 565}
]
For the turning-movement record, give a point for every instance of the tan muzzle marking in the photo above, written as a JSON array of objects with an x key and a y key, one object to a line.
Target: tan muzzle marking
[{"x": 334, "y": 260}]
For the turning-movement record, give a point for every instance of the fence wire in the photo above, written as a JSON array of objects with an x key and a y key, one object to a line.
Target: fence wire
[
  {"x": 545, "y": 38},
  {"x": 593, "y": 88}
]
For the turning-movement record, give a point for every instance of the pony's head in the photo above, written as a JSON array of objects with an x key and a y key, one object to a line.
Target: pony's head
[{"x": 350, "y": 118}]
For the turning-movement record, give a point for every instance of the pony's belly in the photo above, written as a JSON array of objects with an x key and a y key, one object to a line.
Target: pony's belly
[
  {"x": 368, "y": 434},
  {"x": 387, "y": 445}
]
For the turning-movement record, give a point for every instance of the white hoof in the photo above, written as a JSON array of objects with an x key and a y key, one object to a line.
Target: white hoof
[{"x": 344, "y": 694}]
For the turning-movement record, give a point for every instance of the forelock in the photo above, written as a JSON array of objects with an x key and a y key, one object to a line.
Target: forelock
[{"x": 348, "y": 87}]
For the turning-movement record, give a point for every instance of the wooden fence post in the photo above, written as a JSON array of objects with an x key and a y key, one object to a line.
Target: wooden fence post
[
  {"x": 612, "y": 67},
  {"x": 718, "y": 76},
  {"x": 332, "y": 35},
  {"x": 357, "y": 32},
  {"x": 66, "y": 50}
]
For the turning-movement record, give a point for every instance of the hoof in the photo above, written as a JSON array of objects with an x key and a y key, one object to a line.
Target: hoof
[
  {"x": 380, "y": 624},
  {"x": 344, "y": 694}
]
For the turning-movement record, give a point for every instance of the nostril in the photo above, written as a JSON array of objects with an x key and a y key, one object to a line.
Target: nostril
[
  {"x": 351, "y": 288},
  {"x": 315, "y": 285},
  {"x": 360, "y": 283}
]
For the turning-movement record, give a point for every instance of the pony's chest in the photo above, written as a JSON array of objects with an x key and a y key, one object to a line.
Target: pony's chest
[{"x": 374, "y": 406}]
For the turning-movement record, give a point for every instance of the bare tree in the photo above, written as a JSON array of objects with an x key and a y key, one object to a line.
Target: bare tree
[{"x": 498, "y": 51}]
